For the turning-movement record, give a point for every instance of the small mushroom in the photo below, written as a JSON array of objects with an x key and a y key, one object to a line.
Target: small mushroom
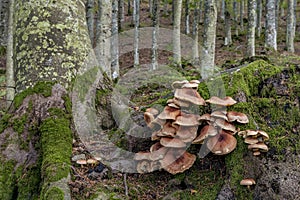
[
  {"x": 169, "y": 113},
  {"x": 148, "y": 117},
  {"x": 221, "y": 144},
  {"x": 247, "y": 182},
  {"x": 172, "y": 142},
  {"x": 225, "y": 125},
  {"x": 250, "y": 140},
  {"x": 237, "y": 116},
  {"x": 81, "y": 162},
  {"x": 185, "y": 119},
  {"x": 205, "y": 132},
  {"x": 227, "y": 101},
  {"x": 261, "y": 146},
  {"x": 219, "y": 114},
  {"x": 187, "y": 133},
  {"x": 178, "y": 84}
]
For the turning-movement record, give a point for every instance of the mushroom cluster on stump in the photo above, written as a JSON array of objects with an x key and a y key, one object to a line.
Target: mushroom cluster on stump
[
  {"x": 175, "y": 128},
  {"x": 219, "y": 132},
  {"x": 255, "y": 140}
]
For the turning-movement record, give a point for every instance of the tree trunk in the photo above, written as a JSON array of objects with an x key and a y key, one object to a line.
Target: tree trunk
[
  {"x": 114, "y": 42},
  {"x": 235, "y": 17},
  {"x": 187, "y": 17},
  {"x": 35, "y": 154},
  {"x": 155, "y": 16},
  {"x": 209, "y": 39},
  {"x": 242, "y": 14},
  {"x": 129, "y": 7},
  {"x": 4, "y": 15},
  {"x": 222, "y": 13},
  {"x": 10, "y": 81},
  {"x": 136, "y": 15},
  {"x": 251, "y": 28},
  {"x": 103, "y": 47},
  {"x": 258, "y": 18},
  {"x": 270, "y": 33},
  {"x": 90, "y": 19},
  {"x": 228, "y": 38},
  {"x": 120, "y": 14},
  {"x": 277, "y": 10},
  {"x": 290, "y": 26},
  {"x": 176, "y": 32},
  {"x": 196, "y": 33}
]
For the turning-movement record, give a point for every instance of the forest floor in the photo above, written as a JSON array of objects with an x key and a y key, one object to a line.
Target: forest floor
[{"x": 87, "y": 179}]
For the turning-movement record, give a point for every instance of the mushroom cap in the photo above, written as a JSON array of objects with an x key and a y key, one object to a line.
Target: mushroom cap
[
  {"x": 167, "y": 130},
  {"x": 178, "y": 84},
  {"x": 205, "y": 117},
  {"x": 252, "y": 133},
  {"x": 190, "y": 85},
  {"x": 189, "y": 95},
  {"x": 250, "y": 140},
  {"x": 177, "y": 163},
  {"x": 195, "y": 81},
  {"x": 157, "y": 123},
  {"x": 91, "y": 161},
  {"x": 221, "y": 144},
  {"x": 237, "y": 116},
  {"x": 153, "y": 111},
  {"x": 81, "y": 162},
  {"x": 261, "y": 146},
  {"x": 225, "y": 125},
  {"x": 219, "y": 114},
  {"x": 148, "y": 117},
  {"x": 187, "y": 133},
  {"x": 169, "y": 113},
  {"x": 247, "y": 181},
  {"x": 158, "y": 154},
  {"x": 187, "y": 119},
  {"x": 264, "y": 135},
  {"x": 206, "y": 131},
  {"x": 172, "y": 142},
  {"x": 181, "y": 103},
  {"x": 227, "y": 101},
  {"x": 256, "y": 153}
]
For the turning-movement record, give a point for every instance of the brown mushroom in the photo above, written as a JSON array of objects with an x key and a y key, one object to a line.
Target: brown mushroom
[
  {"x": 189, "y": 95},
  {"x": 250, "y": 140},
  {"x": 178, "y": 84},
  {"x": 227, "y": 101},
  {"x": 185, "y": 119},
  {"x": 187, "y": 133},
  {"x": 261, "y": 146},
  {"x": 177, "y": 162},
  {"x": 225, "y": 125},
  {"x": 172, "y": 142},
  {"x": 221, "y": 144},
  {"x": 148, "y": 117},
  {"x": 169, "y": 113},
  {"x": 247, "y": 182},
  {"x": 237, "y": 116},
  {"x": 205, "y": 132},
  {"x": 219, "y": 114},
  {"x": 153, "y": 111}
]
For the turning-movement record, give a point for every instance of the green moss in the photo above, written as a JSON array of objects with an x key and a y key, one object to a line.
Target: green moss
[
  {"x": 43, "y": 88},
  {"x": 7, "y": 179},
  {"x": 4, "y": 122},
  {"x": 19, "y": 124},
  {"x": 54, "y": 193}
]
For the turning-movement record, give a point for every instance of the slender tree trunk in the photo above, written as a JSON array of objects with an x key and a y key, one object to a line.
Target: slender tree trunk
[
  {"x": 277, "y": 11},
  {"x": 10, "y": 81},
  {"x": 196, "y": 33},
  {"x": 155, "y": 16},
  {"x": 120, "y": 14},
  {"x": 103, "y": 47},
  {"x": 290, "y": 26},
  {"x": 270, "y": 34},
  {"x": 258, "y": 18},
  {"x": 222, "y": 13},
  {"x": 150, "y": 7},
  {"x": 209, "y": 38},
  {"x": 90, "y": 19},
  {"x": 187, "y": 17},
  {"x": 251, "y": 28},
  {"x": 176, "y": 32},
  {"x": 228, "y": 38},
  {"x": 242, "y": 14},
  {"x": 173, "y": 10},
  {"x": 98, "y": 20},
  {"x": 235, "y": 17},
  {"x": 166, "y": 3},
  {"x": 136, "y": 15},
  {"x": 114, "y": 51},
  {"x": 129, "y": 7}
]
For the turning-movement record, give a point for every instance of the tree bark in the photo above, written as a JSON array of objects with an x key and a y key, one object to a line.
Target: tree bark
[
  {"x": 155, "y": 17},
  {"x": 187, "y": 17},
  {"x": 258, "y": 18},
  {"x": 228, "y": 38},
  {"x": 36, "y": 142},
  {"x": 209, "y": 39},
  {"x": 290, "y": 26},
  {"x": 242, "y": 14},
  {"x": 114, "y": 42},
  {"x": 196, "y": 33},
  {"x": 251, "y": 28},
  {"x": 90, "y": 19},
  {"x": 136, "y": 15},
  {"x": 176, "y": 32},
  {"x": 270, "y": 33}
]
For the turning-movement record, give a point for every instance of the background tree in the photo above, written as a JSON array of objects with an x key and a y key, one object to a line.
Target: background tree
[
  {"x": 290, "y": 26},
  {"x": 114, "y": 52},
  {"x": 155, "y": 33},
  {"x": 136, "y": 16},
  {"x": 270, "y": 31},
  {"x": 176, "y": 32},
  {"x": 258, "y": 18},
  {"x": 196, "y": 33},
  {"x": 251, "y": 28},
  {"x": 227, "y": 24},
  {"x": 187, "y": 16}
]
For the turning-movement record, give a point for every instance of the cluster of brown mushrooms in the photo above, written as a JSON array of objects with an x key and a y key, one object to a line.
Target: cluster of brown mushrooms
[
  {"x": 255, "y": 140},
  {"x": 177, "y": 126}
]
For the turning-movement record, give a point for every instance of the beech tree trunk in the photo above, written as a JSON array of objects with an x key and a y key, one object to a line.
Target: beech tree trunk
[
  {"x": 291, "y": 26},
  {"x": 258, "y": 18},
  {"x": 251, "y": 28},
  {"x": 196, "y": 33},
  {"x": 228, "y": 38},
  {"x": 90, "y": 19},
  {"x": 242, "y": 14},
  {"x": 176, "y": 32},
  {"x": 136, "y": 15},
  {"x": 270, "y": 33},
  {"x": 155, "y": 33},
  {"x": 209, "y": 38},
  {"x": 114, "y": 41},
  {"x": 187, "y": 17},
  {"x": 37, "y": 139}
]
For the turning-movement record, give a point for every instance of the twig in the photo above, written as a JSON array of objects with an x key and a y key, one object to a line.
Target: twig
[{"x": 125, "y": 184}]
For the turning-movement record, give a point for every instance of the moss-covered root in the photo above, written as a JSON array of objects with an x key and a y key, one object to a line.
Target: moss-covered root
[{"x": 56, "y": 138}]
